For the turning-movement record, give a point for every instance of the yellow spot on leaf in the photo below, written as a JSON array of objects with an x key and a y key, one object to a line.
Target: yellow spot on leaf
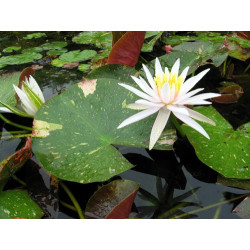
[
  {"x": 88, "y": 87},
  {"x": 42, "y": 128}
]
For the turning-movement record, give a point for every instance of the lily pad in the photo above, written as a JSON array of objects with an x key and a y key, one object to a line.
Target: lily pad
[
  {"x": 77, "y": 55},
  {"x": 99, "y": 38},
  {"x": 112, "y": 201},
  {"x": 84, "y": 67},
  {"x": 58, "y": 63},
  {"x": 34, "y": 35},
  {"x": 20, "y": 59},
  {"x": 243, "y": 209},
  {"x": 18, "y": 204},
  {"x": 12, "y": 48},
  {"x": 54, "y": 45},
  {"x": 14, "y": 162},
  {"x": 7, "y": 91},
  {"x": 56, "y": 52},
  {"x": 32, "y": 50},
  {"x": 76, "y": 130},
  {"x": 227, "y": 151},
  {"x": 148, "y": 46}
]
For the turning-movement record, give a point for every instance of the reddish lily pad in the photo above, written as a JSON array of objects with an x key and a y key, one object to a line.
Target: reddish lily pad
[
  {"x": 127, "y": 49},
  {"x": 14, "y": 162},
  {"x": 16, "y": 204},
  {"x": 112, "y": 201},
  {"x": 243, "y": 209}
]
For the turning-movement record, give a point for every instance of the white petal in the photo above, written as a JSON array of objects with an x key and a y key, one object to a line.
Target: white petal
[
  {"x": 181, "y": 98},
  {"x": 149, "y": 90},
  {"x": 198, "y": 116},
  {"x": 158, "y": 68},
  {"x": 184, "y": 73},
  {"x": 199, "y": 103},
  {"x": 201, "y": 97},
  {"x": 158, "y": 127},
  {"x": 175, "y": 68},
  {"x": 137, "y": 92},
  {"x": 165, "y": 93},
  {"x": 192, "y": 123},
  {"x": 137, "y": 106},
  {"x": 179, "y": 109},
  {"x": 6, "y": 110},
  {"x": 150, "y": 78},
  {"x": 172, "y": 93},
  {"x": 149, "y": 104},
  {"x": 191, "y": 82},
  {"x": 139, "y": 116},
  {"x": 35, "y": 87},
  {"x": 27, "y": 105}
]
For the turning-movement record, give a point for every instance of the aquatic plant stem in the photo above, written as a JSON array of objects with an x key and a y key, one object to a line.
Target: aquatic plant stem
[
  {"x": 65, "y": 204},
  {"x": 14, "y": 124},
  {"x": 224, "y": 68},
  {"x": 177, "y": 125},
  {"x": 19, "y": 180},
  {"x": 210, "y": 206},
  {"x": 15, "y": 136},
  {"x": 246, "y": 69},
  {"x": 73, "y": 199}
]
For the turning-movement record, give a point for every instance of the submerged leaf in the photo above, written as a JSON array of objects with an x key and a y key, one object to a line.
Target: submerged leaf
[{"x": 112, "y": 201}]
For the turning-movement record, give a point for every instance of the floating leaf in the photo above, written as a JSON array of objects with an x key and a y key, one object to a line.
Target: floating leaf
[
  {"x": 12, "y": 48},
  {"x": 20, "y": 59},
  {"x": 83, "y": 67},
  {"x": 2, "y": 65},
  {"x": 77, "y": 129},
  {"x": 237, "y": 51},
  {"x": 18, "y": 204},
  {"x": 34, "y": 35},
  {"x": 227, "y": 151},
  {"x": 238, "y": 183},
  {"x": 112, "y": 201},
  {"x": 77, "y": 55},
  {"x": 32, "y": 50},
  {"x": 243, "y": 209},
  {"x": 98, "y": 38},
  {"x": 7, "y": 93},
  {"x": 127, "y": 49},
  {"x": 57, "y": 52},
  {"x": 175, "y": 40},
  {"x": 54, "y": 45},
  {"x": 14, "y": 162},
  {"x": 71, "y": 65},
  {"x": 148, "y": 46}
]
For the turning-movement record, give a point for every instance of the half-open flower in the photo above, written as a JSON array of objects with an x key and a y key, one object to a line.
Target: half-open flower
[
  {"x": 168, "y": 92},
  {"x": 30, "y": 99}
]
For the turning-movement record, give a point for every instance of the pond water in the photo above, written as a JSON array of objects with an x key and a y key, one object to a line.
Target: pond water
[{"x": 177, "y": 179}]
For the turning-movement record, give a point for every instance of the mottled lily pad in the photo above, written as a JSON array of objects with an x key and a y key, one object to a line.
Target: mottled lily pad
[
  {"x": 20, "y": 59},
  {"x": 77, "y": 55},
  {"x": 76, "y": 130},
  {"x": 112, "y": 201},
  {"x": 99, "y": 38},
  {"x": 15, "y": 204},
  {"x": 32, "y": 50},
  {"x": 83, "y": 67},
  {"x": 12, "y": 48},
  {"x": 227, "y": 151},
  {"x": 34, "y": 35}
]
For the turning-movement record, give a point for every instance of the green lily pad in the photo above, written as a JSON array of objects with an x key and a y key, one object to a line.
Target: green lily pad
[
  {"x": 175, "y": 40},
  {"x": 112, "y": 201},
  {"x": 32, "y": 50},
  {"x": 7, "y": 91},
  {"x": 58, "y": 63},
  {"x": 34, "y": 35},
  {"x": 75, "y": 131},
  {"x": 20, "y": 59},
  {"x": 54, "y": 45},
  {"x": 84, "y": 67},
  {"x": 12, "y": 48},
  {"x": 148, "y": 46},
  {"x": 99, "y": 38},
  {"x": 77, "y": 55},
  {"x": 2, "y": 65},
  {"x": 101, "y": 54},
  {"x": 18, "y": 204},
  {"x": 56, "y": 52},
  {"x": 227, "y": 151}
]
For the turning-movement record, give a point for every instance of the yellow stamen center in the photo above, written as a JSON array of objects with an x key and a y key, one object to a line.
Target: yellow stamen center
[{"x": 172, "y": 79}]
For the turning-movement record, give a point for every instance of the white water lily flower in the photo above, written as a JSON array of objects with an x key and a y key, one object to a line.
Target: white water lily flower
[
  {"x": 30, "y": 95},
  {"x": 168, "y": 92}
]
